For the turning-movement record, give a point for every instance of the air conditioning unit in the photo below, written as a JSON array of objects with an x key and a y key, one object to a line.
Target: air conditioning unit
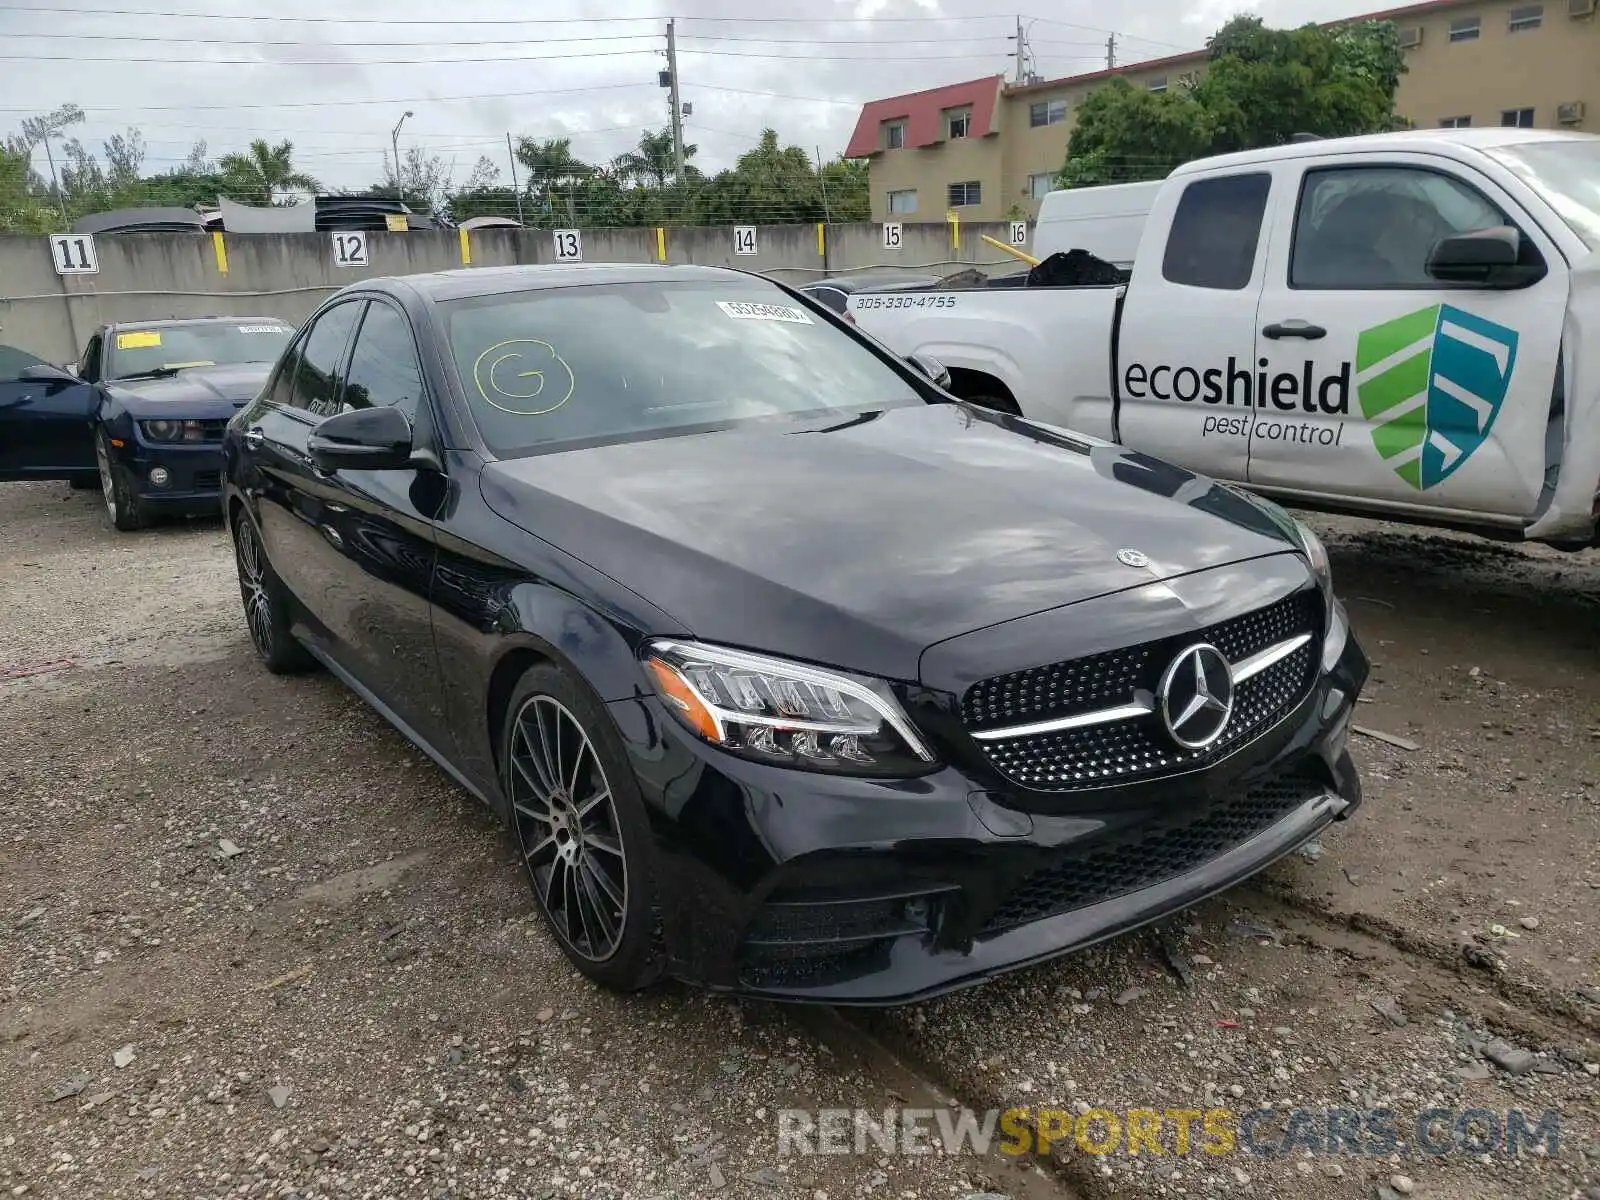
[
  {"x": 1569, "y": 114},
  {"x": 1411, "y": 35},
  {"x": 1580, "y": 8}
]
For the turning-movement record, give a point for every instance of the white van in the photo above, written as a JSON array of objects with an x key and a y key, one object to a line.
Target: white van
[{"x": 1105, "y": 221}]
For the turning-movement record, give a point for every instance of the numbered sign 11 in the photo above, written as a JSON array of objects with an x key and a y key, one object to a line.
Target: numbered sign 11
[
  {"x": 1019, "y": 233},
  {"x": 744, "y": 239},
  {"x": 74, "y": 254},
  {"x": 569, "y": 245},
  {"x": 891, "y": 235},
  {"x": 350, "y": 249}
]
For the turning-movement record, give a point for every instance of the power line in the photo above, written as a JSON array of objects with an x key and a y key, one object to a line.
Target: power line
[
  {"x": 653, "y": 18},
  {"x": 279, "y": 104}
]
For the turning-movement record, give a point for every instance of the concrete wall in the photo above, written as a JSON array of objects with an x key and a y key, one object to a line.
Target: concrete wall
[{"x": 147, "y": 276}]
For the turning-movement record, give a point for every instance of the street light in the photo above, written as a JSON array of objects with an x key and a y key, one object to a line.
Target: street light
[{"x": 394, "y": 142}]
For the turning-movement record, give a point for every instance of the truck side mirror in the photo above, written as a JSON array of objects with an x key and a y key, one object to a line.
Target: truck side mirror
[{"x": 1488, "y": 257}]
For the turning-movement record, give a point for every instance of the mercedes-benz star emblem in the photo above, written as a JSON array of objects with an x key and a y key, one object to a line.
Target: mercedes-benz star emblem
[
  {"x": 1196, "y": 695},
  {"x": 1133, "y": 558}
]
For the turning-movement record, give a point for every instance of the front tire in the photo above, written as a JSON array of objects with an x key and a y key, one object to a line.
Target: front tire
[
  {"x": 581, "y": 828},
  {"x": 266, "y": 603},
  {"x": 127, "y": 514}
]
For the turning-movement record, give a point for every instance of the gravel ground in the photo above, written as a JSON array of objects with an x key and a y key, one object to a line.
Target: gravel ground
[{"x": 261, "y": 947}]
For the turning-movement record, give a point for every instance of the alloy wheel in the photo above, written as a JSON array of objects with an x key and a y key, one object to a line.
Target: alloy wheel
[
  {"x": 253, "y": 586},
  {"x": 567, "y": 826},
  {"x": 108, "y": 481}
]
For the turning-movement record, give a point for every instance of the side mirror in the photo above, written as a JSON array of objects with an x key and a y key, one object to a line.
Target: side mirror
[
  {"x": 45, "y": 373},
  {"x": 363, "y": 439},
  {"x": 1485, "y": 256},
  {"x": 925, "y": 364}
]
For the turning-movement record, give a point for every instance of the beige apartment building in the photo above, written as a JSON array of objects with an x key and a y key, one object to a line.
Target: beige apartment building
[{"x": 988, "y": 149}]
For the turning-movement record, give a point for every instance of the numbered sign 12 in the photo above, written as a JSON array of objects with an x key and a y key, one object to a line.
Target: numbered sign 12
[
  {"x": 891, "y": 235},
  {"x": 569, "y": 245},
  {"x": 74, "y": 254},
  {"x": 350, "y": 249},
  {"x": 1019, "y": 233},
  {"x": 744, "y": 239}
]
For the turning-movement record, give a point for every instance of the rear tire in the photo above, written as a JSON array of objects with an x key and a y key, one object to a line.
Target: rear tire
[
  {"x": 266, "y": 603},
  {"x": 580, "y": 825},
  {"x": 122, "y": 504}
]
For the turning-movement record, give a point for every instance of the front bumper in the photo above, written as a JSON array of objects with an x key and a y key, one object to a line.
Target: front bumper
[
  {"x": 797, "y": 886},
  {"x": 193, "y": 474}
]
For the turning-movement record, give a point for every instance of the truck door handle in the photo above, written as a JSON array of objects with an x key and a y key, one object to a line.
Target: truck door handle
[
  {"x": 1296, "y": 328},
  {"x": 254, "y": 438}
]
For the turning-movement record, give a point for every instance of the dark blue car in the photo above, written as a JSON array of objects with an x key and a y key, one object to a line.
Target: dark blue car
[{"x": 142, "y": 412}]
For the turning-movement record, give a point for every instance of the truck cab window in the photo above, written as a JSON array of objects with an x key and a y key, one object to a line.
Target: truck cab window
[
  {"x": 1215, "y": 231},
  {"x": 1368, "y": 228}
]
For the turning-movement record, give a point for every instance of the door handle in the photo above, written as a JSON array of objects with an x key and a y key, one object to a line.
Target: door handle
[
  {"x": 1295, "y": 328},
  {"x": 254, "y": 438}
]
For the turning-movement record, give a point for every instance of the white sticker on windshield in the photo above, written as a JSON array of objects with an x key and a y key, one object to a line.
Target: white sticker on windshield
[
  {"x": 263, "y": 329},
  {"x": 747, "y": 310}
]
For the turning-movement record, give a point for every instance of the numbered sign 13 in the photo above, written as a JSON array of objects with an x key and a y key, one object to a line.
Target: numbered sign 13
[
  {"x": 744, "y": 239},
  {"x": 350, "y": 250},
  {"x": 74, "y": 254},
  {"x": 569, "y": 245},
  {"x": 1019, "y": 233},
  {"x": 891, "y": 235}
]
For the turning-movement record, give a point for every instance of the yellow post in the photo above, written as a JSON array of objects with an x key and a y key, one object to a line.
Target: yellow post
[
  {"x": 466, "y": 248},
  {"x": 822, "y": 240},
  {"x": 661, "y": 243},
  {"x": 1011, "y": 250},
  {"x": 221, "y": 251},
  {"x": 954, "y": 218}
]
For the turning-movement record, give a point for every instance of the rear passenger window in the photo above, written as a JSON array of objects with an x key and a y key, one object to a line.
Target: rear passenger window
[
  {"x": 1214, "y": 233},
  {"x": 316, "y": 382}
]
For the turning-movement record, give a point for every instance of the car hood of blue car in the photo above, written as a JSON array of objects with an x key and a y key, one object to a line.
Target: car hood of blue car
[{"x": 196, "y": 393}]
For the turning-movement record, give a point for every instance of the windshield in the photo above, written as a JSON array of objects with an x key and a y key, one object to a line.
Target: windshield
[
  {"x": 137, "y": 351},
  {"x": 1565, "y": 173},
  {"x": 587, "y": 365}
]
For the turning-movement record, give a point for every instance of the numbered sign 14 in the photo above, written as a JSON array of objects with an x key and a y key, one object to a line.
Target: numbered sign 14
[
  {"x": 744, "y": 239},
  {"x": 1019, "y": 233},
  {"x": 569, "y": 245},
  {"x": 350, "y": 249},
  {"x": 891, "y": 235},
  {"x": 74, "y": 254}
]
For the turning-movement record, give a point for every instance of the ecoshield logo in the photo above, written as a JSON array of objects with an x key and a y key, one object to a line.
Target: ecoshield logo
[{"x": 1432, "y": 382}]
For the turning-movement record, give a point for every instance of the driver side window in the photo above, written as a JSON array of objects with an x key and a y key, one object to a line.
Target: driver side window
[{"x": 89, "y": 368}]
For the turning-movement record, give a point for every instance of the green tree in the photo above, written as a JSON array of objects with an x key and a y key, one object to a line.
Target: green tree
[
  {"x": 554, "y": 174},
  {"x": 263, "y": 173},
  {"x": 651, "y": 162},
  {"x": 24, "y": 203},
  {"x": 1125, "y": 134}
]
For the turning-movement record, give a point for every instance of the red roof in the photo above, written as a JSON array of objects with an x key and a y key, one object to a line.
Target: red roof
[{"x": 922, "y": 114}]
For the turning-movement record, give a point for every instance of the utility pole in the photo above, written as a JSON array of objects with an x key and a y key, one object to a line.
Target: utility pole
[
  {"x": 677, "y": 108},
  {"x": 516, "y": 191},
  {"x": 394, "y": 142},
  {"x": 55, "y": 183},
  {"x": 1111, "y": 52},
  {"x": 1021, "y": 54}
]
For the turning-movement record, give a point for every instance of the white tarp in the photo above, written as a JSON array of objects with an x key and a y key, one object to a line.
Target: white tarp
[{"x": 247, "y": 218}]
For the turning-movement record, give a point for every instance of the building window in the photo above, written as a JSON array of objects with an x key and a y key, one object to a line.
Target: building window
[
  {"x": 964, "y": 195},
  {"x": 1456, "y": 123},
  {"x": 1041, "y": 185},
  {"x": 1517, "y": 118},
  {"x": 1530, "y": 16},
  {"x": 1047, "y": 112},
  {"x": 959, "y": 122},
  {"x": 1465, "y": 29},
  {"x": 903, "y": 201},
  {"x": 1158, "y": 85},
  {"x": 894, "y": 135}
]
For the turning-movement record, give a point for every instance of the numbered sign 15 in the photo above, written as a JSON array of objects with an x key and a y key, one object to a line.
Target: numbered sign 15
[
  {"x": 569, "y": 245},
  {"x": 1019, "y": 233},
  {"x": 891, "y": 235},
  {"x": 74, "y": 254},
  {"x": 350, "y": 250},
  {"x": 744, "y": 239}
]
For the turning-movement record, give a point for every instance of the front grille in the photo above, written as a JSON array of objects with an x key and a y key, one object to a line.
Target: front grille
[
  {"x": 1153, "y": 854},
  {"x": 206, "y": 480},
  {"x": 1138, "y": 748},
  {"x": 212, "y": 431}
]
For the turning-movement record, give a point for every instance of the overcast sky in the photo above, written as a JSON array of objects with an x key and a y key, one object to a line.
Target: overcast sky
[{"x": 802, "y": 66}]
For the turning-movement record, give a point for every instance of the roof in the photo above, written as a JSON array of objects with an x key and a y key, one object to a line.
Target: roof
[
  {"x": 141, "y": 220},
  {"x": 463, "y": 282},
  {"x": 1450, "y": 142},
  {"x": 921, "y": 112},
  {"x": 171, "y": 322}
]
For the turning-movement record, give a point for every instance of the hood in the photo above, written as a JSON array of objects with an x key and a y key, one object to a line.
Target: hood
[
  {"x": 862, "y": 542},
  {"x": 195, "y": 392}
]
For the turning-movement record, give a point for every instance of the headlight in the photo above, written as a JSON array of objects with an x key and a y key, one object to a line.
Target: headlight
[
  {"x": 173, "y": 431},
  {"x": 785, "y": 713}
]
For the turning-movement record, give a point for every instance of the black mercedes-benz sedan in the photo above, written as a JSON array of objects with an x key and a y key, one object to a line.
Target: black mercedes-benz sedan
[{"x": 792, "y": 674}]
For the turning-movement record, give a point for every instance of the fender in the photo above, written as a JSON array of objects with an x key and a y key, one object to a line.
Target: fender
[{"x": 1570, "y": 513}]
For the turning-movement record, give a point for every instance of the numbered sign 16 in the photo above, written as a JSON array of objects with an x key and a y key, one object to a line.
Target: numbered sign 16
[
  {"x": 891, "y": 235},
  {"x": 1019, "y": 233},
  {"x": 74, "y": 254},
  {"x": 744, "y": 239},
  {"x": 350, "y": 250},
  {"x": 569, "y": 245}
]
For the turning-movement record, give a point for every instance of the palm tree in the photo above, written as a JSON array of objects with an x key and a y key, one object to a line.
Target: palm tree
[
  {"x": 264, "y": 172},
  {"x": 651, "y": 162},
  {"x": 552, "y": 170}
]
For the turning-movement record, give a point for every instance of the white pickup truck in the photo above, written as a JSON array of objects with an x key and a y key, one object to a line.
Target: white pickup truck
[{"x": 1402, "y": 325}]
